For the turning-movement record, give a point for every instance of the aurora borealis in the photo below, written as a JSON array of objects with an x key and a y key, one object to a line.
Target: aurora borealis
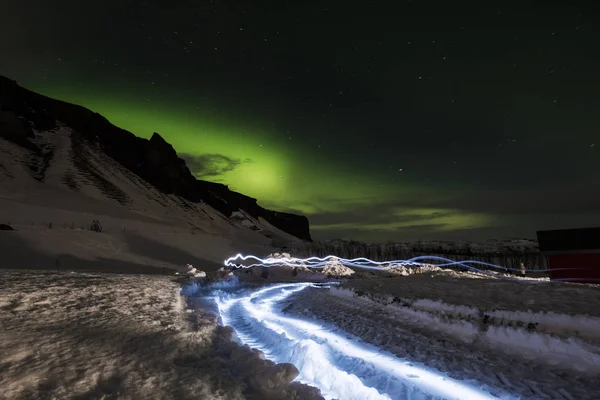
[{"x": 380, "y": 121}]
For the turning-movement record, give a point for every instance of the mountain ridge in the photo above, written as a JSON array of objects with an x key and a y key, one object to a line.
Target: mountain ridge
[{"x": 24, "y": 112}]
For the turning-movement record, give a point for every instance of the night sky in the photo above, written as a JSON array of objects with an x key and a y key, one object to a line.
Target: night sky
[{"x": 379, "y": 120}]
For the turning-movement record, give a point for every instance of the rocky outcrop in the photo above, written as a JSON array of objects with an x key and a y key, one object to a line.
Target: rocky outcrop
[
  {"x": 16, "y": 130},
  {"x": 154, "y": 160}
]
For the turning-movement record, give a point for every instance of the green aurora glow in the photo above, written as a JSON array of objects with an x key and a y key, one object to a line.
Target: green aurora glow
[
  {"x": 444, "y": 129},
  {"x": 281, "y": 174}
]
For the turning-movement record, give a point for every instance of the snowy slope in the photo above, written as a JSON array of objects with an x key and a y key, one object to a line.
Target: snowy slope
[
  {"x": 63, "y": 166},
  {"x": 77, "y": 171},
  {"x": 74, "y": 182}
]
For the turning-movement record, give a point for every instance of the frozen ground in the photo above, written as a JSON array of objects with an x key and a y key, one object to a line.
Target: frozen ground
[
  {"x": 91, "y": 335},
  {"x": 82, "y": 336},
  {"x": 488, "y": 293},
  {"x": 48, "y": 237},
  {"x": 474, "y": 328},
  {"x": 512, "y": 337},
  {"x": 341, "y": 365}
]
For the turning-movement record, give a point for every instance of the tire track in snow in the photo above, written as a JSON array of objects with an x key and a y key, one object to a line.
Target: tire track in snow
[
  {"x": 337, "y": 364},
  {"x": 461, "y": 352}
]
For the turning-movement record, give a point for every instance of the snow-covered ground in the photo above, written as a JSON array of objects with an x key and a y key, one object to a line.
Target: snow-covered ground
[
  {"x": 342, "y": 366},
  {"x": 488, "y": 292},
  {"x": 83, "y": 335},
  {"x": 501, "y": 333},
  {"x": 511, "y": 337},
  {"x": 445, "y": 334}
]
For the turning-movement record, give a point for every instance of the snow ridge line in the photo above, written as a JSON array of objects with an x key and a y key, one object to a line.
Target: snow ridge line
[
  {"x": 470, "y": 325},
  {"x": 562, "y": 325}
]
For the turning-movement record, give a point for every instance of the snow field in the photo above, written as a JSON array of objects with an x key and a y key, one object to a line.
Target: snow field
[
  {"x": 79, "y": 336},
  {"x": 342, "y": 367},
  {"x": 488, "y": 292},
  {"x": 503, "y": 359},
  {"x": 562, "y": 325},
  {"x": 500, "y": 330}
]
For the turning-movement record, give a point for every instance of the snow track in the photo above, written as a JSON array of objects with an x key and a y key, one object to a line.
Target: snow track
[
  {"x": 456, "y": 345},
  {"x": 342, "y": 367}
]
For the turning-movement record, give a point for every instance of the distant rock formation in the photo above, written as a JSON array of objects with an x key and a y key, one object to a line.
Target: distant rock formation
[{"x": 154, "y": 160}]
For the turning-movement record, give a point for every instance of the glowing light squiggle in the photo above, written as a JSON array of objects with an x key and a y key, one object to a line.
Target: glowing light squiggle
[{"x": 362, "y": 262}]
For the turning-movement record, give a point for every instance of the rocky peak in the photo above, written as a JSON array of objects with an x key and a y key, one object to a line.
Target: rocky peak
[{"x": 154, "y": 159}]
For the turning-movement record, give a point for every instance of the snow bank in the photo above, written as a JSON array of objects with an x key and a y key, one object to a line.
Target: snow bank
[
  {"x": 406, "y": 270},
  {"x": 194, "y": 272},
  {"x": 273, "y": 262},
  {"x": 229, "y": 281},
  {"x": 462, "y": 330},
  {"x": 192, "y": 288},
  {"x": 448, "y": 309},
  {"x": 583, "y": 326},
  {"x": 571, "y": 354},
  {"x": 336, "y": 269}
]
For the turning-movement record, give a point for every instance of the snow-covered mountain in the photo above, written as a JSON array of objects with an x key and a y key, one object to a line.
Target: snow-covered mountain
[{"x": 77, "y": 158}]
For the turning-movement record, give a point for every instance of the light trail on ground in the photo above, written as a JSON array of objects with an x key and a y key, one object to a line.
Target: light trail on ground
[{"x": 341, "y": 366}]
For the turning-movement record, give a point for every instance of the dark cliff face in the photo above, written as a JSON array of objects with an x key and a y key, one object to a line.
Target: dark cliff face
[{"x": 154, "y": 160}]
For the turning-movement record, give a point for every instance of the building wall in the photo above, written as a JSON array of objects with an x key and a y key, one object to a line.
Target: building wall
[{"x": 581, "y": 268}]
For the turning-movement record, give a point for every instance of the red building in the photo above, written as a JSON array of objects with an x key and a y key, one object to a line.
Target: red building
[{"x": 572, "y": 255}]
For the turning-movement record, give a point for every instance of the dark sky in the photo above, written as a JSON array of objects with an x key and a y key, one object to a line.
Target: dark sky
[{"x": 380, "y": 120}]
